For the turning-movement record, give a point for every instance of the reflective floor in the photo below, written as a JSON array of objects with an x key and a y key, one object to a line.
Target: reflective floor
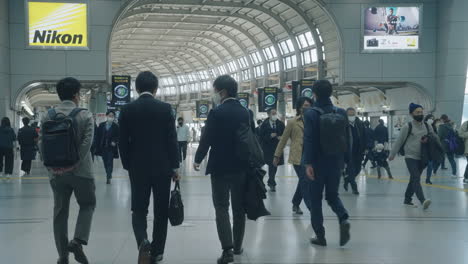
[{"x": 383, "y": 231}]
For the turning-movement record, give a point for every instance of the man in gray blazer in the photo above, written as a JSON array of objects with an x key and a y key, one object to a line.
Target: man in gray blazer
[{"x": 78, "y": 179}]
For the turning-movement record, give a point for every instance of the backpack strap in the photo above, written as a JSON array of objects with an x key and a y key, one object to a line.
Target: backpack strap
[
  {"x": 427, "y": 128},
  {"x": 410, "y": 129},
  {"x": 75, "y": 112},
  {"x": 52, "y": 113},
  {"x": 319, "y": 110}
]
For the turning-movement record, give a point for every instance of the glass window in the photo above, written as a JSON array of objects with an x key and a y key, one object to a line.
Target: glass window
[
  {"x": 273, "y": 67},
  {"x": 235, "y": 76},
  {"x": 294, "y": 61},
  {"x": 310, "y": 38},
  {"x": 246, "y": 75},
  {"x": 306, "y": 57},
  {"x": 290, "y": 45},
  {"x": 267, "y": 53},
  {"x": 314, "y": 55},
  {"x": 284, "y": 48},
  {"x": 302, "y": 41},
  {"x": 256, "y": 58},
  {"x": 259, "y": 71},
  {"x": 243, "y": 62}
]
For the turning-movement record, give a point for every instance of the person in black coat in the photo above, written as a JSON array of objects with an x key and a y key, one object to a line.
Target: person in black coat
[
  {"x": 381, "y": 133},
  {"x": 228, "y": 171},
  {"x": 106, "y": 143},
  {"x": 370, "y": 139},
  {"x": 358, "y": 147},
  {"x": 149, "y": 152},
  {"x": 270, "y": 134},
  {"x": 27, "y": 139}
]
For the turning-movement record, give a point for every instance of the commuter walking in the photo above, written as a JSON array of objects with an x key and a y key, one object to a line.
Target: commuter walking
[
  {"x": 370, "y": 144},
  {"x": 149, "y": 152},
  {"x": 409, "y": 143},
  {"x": 358, "y": 147},
  {"x": 107, "y": 141},
  {"x": 381, "y": 156},
  {"x": 27, "y": 139},
  {"x": 70, "y": 167},
  {"x": 295, "y": 132},
  {"x": 228, "y": 172},
  {"x": 447, "y": 135},
  {"x": 183, "y": 137},
  {"x": 270, "y": 134},
  {"x": 437, "y": 123},
  {"x": 7, "y": 146},
  {"x": 432, "y": 165},
  {"x": 325, "y": 146},
  {"x": 381, "y": 133},
  {"x": 463, "y": 133}
]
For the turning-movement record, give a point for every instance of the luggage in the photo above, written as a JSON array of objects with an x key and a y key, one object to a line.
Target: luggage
[
  {"x": 59, "y": 143},
  {"x": 333, "y": 132},
  {"x": 176, "y": 206}
]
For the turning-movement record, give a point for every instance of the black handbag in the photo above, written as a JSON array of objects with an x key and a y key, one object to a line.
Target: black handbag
[{"x": 176, "y": 207}]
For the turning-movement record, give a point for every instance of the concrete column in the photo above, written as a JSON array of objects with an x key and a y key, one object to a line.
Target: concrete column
[
  {"x": 452, "y": 58},
  {"x": 5, "y": 87}
]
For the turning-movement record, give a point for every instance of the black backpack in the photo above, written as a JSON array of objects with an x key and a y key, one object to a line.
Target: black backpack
[
  {"x": 59, "y": 146},
  {"x": 333, "y": 132}
]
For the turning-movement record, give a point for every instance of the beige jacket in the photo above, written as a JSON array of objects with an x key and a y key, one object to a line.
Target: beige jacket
[
  {"x": 294, "y": 131},
  {"x": 85, "y": 127},
  {"x": 463, "y": 133}
]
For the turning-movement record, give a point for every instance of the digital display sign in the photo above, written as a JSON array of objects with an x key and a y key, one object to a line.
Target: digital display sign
[
  {"x": 391, "y": 28},
  {"x": 57, "y": 24}
]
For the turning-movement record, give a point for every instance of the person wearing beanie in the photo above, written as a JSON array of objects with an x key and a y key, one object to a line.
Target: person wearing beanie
[{"x": 409, "y": 144}]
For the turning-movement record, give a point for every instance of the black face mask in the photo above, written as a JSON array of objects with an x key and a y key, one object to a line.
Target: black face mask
[
  {"x": 418, "y": 118},
  {"x": 180, "y": 123}
]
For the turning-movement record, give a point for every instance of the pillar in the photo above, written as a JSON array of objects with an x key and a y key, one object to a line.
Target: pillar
[{"x": 5, "y": 88}]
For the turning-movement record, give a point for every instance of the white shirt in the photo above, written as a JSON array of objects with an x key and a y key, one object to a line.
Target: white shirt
[
  {"x": 183, "y": 133},
  {"x": 148, "y": 93}
]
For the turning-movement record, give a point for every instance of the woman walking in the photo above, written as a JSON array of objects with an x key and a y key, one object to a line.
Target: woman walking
[
  {"x": 295, "y": 132},
  {"x": 7, "y": 142}
]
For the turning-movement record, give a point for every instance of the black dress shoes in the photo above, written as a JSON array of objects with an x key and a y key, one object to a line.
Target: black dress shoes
[
  {"x": 77, "y": 249},
  {"x": 144, "y": 255},
  {"x": 319, "y": 241},
  {"x": 227, "y": 257}
]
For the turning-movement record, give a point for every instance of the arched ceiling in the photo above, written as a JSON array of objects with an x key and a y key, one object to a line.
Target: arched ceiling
[{"x": 176, "y": 37}]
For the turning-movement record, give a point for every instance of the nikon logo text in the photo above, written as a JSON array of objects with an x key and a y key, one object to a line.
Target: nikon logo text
[{"x": 53, "y": 37}]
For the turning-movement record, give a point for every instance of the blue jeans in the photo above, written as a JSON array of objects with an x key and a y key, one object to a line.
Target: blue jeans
[
  {"x": 453, "y": 163},
  {"x": 328, "y": 179}
]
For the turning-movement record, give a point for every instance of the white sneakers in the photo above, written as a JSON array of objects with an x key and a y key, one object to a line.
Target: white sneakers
[{"x": 426, "y": 204}]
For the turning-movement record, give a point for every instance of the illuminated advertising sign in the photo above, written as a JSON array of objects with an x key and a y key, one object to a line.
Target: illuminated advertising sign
[
  {"x": 120, "y": 90},
  {"x": 392, "y": 28},
  {"x": 244, "y": 99},
  {"x": 57, "y": 24},
  {"x": 203, "y": 108}
]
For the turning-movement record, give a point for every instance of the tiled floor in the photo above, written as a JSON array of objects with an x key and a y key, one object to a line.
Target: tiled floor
[{"x": 383, "y": 231}]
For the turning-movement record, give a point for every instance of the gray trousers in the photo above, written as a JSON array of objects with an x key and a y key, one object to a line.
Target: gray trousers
[
  {"x": 63, "y": 186},
  {"x": 222, "y": 185}
]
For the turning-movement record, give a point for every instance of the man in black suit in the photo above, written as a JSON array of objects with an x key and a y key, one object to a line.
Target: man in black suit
[
  {"x": 228, "y": 173},
  {"x": 149, "y": 151}
]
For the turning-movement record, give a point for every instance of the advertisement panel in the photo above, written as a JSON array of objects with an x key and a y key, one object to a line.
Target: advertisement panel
[
  {"x": 392, "y": 28},
  {"x": 120, "y": 90},
  {"x": 244, "y": 99},
  {"x": 57, "y": 24},
  {"x": 269, "y": 98},
  {"x": 203, "y": 108}
]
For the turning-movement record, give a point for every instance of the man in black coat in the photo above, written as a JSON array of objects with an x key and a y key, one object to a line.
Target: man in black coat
[
  {"x": 358, "y": 147},
  {"x": 27, "y": 139},
  {"x": 381, "y": 133},
  {"x": 107, "y": 140},
  {"x": 370, "y": 139},
  {"x": 149, "y": 151},
  {"x": 228, "y": 172},
  {"x": 270, "y": 134}
]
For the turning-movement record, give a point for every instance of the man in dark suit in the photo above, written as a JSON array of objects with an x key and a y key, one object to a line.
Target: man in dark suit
[
  {"x": 270, "y": 134},
  {"x": 27, "y": 138},
  {"x": 228, "y": 173},
  {"x": 107, "y": 140},
  {"x": 149, "y": 151},
  {"x": 358, "y": 148}
]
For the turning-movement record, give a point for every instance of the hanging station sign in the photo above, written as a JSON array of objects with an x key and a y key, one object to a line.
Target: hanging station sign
[
  {"x": 268, "y": 98},
  {"x": 57, "y": 25},
  {"x": 120, "y": 90},
  {"x": 203, "y": 108},
  {"x": 244, "y": 99}
]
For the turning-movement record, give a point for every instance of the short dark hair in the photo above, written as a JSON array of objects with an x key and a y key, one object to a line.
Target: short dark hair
[
  {"x": 226, "y": 82},
  {"x": 300, "y": 102},
  {"x": 146, "y": 82},
  {"x": 322, "y": 89},
  {"x": 26, "y": 121},
  {"x": 381, "y": 121},
  {"x": 68, "y": 88},
  {"x": 270, "y": 109},
  {"x": 444, "y": 118},
  {"x": 180, "y": 118},
  {"x": 6, "y": 122},
  {"x": 259, "y": 122},
  {"x": 110, "y": 112}
]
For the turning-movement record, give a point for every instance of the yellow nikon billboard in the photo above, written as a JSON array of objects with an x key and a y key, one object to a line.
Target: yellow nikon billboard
[{"x": 58, "y": 24}]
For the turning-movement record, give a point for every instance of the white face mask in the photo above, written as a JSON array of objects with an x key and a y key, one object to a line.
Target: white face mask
[
  {"x": 216, "y": 98},
  {"x": 274, "y": 117},
  {"x": 110, "y": 119},
  {"x": 352, "y": 119},
  {"x": 430, "y": 121}
]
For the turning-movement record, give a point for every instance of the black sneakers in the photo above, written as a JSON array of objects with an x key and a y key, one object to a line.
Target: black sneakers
[
  {"x": 297, "y": 210},
  {"x": 77, "y": 249},
  {"x": 226, "y": 257},
  {"x": 319, "y": 241},
  {"x": 345, "y": 236}
]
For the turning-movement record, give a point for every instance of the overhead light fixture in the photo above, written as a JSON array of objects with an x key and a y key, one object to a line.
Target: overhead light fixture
[{"x": 26, "y": 108}]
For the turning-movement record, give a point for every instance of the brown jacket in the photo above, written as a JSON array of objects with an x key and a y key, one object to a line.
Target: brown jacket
[{"x": 294, "y": 131}]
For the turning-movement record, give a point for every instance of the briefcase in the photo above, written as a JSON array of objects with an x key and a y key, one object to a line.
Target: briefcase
[{"x": 176, "y": 207}]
